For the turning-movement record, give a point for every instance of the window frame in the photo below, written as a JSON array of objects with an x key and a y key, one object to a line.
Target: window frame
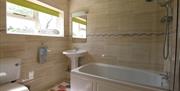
[{"x": 35, "y": 19}]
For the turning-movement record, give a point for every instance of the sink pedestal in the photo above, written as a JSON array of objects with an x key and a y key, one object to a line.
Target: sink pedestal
[
  {"x": 74, "y": 55},
  {"x": 74, "y": 62}
]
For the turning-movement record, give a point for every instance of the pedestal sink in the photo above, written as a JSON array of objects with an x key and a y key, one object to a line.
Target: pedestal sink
[{"x": 74, "y": 56}]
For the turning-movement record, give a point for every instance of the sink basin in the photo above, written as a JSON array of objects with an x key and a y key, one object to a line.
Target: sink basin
[{"x": 74, "y": 55}]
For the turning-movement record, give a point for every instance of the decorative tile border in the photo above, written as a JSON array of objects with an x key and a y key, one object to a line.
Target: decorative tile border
[{"x": 130, "y": 34}]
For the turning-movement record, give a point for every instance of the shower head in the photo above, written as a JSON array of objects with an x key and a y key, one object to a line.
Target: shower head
[{"x": 162, "y": 3}]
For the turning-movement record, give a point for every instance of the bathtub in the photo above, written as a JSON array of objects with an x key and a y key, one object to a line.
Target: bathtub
[{"x": 104, "y": 77}]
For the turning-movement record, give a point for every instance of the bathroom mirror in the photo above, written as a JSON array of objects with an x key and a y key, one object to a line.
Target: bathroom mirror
[{"x": 79, "y": 24}]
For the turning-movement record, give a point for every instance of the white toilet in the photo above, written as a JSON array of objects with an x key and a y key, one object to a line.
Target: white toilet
[{"x": 9, "y": 73}]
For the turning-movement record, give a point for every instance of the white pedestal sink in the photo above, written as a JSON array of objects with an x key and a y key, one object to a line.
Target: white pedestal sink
[{"x": 74, "y": 55}]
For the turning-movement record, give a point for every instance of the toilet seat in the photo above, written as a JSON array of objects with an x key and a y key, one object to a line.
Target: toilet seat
[{"x": 13, "y": 87}]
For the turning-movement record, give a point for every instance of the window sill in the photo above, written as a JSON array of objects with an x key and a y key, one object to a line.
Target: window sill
[{"x": 45, "y": 35}]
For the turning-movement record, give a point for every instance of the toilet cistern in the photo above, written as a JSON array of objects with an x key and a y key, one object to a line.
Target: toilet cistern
[
  {"x": 10, "y": 69},
  {"x": 74, "y": 55}
]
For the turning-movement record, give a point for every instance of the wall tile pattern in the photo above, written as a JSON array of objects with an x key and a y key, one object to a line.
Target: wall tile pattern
[
  {"x": 26, "y": 48},
  {"x": 123, "y": 32}
]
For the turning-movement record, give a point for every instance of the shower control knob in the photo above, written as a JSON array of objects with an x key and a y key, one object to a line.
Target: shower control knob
[{"x": 166, "y": 19}]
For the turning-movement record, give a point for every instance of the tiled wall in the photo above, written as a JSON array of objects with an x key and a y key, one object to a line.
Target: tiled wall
[
  {"x": 25, "y": 47},
  {"x": 122, "y": 32},
  {"x": 174, "y": 48}
]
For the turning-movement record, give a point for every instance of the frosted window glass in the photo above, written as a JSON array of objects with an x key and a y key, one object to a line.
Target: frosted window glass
[
  {"x": 49, "y": 24},
  {"x": 19, "y": 25}
]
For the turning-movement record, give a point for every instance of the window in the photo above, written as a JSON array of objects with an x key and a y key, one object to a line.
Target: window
[{"x": 31, "y": 21}]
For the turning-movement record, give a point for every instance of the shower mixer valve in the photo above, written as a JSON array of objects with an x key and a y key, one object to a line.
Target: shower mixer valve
[{"x": 166, "y": 19}]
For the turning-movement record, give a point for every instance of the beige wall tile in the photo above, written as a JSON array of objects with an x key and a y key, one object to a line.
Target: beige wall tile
[
  {"x": 26, "y": 48},
  {"x": 122, "y": 16}
]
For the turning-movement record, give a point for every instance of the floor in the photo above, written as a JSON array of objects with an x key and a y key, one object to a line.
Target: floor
[{"x": 64, "y": 86}]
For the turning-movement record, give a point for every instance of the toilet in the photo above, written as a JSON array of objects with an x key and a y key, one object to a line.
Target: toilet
[{"x": 9, "y": 74}]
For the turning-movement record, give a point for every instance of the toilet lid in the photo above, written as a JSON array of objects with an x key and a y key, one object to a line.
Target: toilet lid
[{"x": 13, "y": 87}]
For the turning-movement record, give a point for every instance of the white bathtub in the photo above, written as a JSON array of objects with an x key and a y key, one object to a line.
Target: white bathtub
[{"x": 104, "y": 77}]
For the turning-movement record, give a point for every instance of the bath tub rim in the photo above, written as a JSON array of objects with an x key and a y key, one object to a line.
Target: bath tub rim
[{"x": 77, "y": 72}]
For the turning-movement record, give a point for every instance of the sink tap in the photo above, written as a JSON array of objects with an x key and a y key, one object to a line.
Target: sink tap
[{"x": 76, "y": 48}]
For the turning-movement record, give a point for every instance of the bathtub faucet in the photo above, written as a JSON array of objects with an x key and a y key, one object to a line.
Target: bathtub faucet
[
  {"x": 165, "y": 80},
  {"x": 164, "y": 76}
]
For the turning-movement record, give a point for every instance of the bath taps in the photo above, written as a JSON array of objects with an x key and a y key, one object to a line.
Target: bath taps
[
  {"x": 165, "y": 80},
  {"x": 164, "y": 76}
]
